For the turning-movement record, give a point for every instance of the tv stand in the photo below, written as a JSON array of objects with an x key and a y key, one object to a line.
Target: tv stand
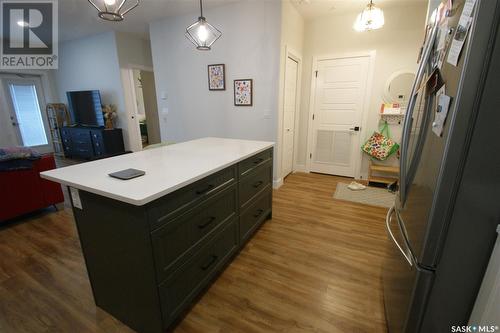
[{"x": 92, "y": 142}]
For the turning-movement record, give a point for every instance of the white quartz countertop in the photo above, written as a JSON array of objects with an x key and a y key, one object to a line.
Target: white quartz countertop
[{"x": 167, "y": 168}]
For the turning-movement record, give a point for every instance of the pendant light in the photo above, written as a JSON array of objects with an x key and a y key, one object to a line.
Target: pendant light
[
  {"x": 201, "y": 33},
  {"x": 371, "y": 18},
  {"x": 113, "y": 10}
]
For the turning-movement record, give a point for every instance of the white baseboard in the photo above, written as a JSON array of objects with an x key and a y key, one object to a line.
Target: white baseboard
[{"x": 277, "y": 183}]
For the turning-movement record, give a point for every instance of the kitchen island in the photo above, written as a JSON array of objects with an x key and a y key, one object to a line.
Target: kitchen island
[{"x": 152, "y": 244}]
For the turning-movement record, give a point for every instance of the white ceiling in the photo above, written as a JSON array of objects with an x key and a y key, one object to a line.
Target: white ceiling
[
  {"x": 77, "y": 18},
  {"x": 310, "y": 9}
]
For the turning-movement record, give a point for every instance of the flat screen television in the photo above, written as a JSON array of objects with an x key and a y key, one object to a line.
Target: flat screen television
[{"x": 86, "y": 107}]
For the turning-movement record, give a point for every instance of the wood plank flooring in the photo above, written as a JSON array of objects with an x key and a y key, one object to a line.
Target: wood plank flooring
[{"x": 315, "y": 267}]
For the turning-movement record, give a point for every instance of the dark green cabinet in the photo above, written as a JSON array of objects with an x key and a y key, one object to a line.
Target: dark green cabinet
[
  {"x": 146, "y": 264},
  {"x": 167, "y": 208},
  {"x": 176, "y": 240},
  {"x": 254, "y": 183},
  {"x": 257, "y": 212},
  {"x": 177, "y": 292}
]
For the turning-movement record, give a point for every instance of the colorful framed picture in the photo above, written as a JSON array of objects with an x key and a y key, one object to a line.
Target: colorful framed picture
[
  {"x": 217, "y": 77},
  {"x": 243, "y": 92}
]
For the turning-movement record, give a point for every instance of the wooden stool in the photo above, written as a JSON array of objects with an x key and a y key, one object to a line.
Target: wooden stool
[{"x": 391, "y": 171}]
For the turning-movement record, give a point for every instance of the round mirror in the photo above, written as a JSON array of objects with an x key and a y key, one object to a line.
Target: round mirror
[{"x": 398, "y": 87}]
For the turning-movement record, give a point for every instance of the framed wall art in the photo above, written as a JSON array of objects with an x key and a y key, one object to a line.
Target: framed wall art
[
  {"x": 217, "y": 77},
  {"x": 243, "y": 92}
]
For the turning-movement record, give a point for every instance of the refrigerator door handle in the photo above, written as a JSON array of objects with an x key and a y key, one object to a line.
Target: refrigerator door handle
[
  {"x": 388, "y": 221},
  {"x": 409, "y": 113}
]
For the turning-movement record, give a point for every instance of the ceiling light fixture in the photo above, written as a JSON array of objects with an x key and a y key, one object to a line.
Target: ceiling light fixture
[
  {"x": 201, "y": 33},
  {"x": 371, "y": 18},
  {"x": 113, "y": 10}
]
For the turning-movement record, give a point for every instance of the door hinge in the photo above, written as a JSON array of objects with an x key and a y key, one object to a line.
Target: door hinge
[
  {"x": 316, "y": 73},
  {"x": 310, "y": 155},
  {"x": 313, "y": 116}
]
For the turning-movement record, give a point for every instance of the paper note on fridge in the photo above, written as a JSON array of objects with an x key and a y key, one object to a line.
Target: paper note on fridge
[
  {"x": 459, "y": 40},
  {"x": 441, "y": 111},
  {"x": 468, "y": 8},
  {"x": 461, "y": 32}
]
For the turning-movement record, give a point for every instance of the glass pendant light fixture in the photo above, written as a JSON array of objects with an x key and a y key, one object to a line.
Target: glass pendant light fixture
[
  {"x": 113, "y": 10},
  {"x": 201, "y": 33},
  {"x": 371, "y": 18}
]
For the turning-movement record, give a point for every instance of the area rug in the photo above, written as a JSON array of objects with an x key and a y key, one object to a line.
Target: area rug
[{"x": 370, "y": 196}]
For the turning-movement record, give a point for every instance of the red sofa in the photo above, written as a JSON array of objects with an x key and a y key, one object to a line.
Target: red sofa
[{"x": 23, "y": 191}]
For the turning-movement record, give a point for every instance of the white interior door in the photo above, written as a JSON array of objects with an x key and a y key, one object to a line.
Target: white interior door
[
  {"x": 25, "y": 106},
  {"x": 339, "y": 102},
  {"x": 289, "y": 111}
]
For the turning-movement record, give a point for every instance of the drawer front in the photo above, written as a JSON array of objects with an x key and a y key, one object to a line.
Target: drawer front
[
  {"x": 169, "y": 207},
  {"x": 97, "y": 142},
  {"x": 65, "y": 135},
  {"x": 179, "y": 290},
  {"x": 256, "y": 213},
  {"x": 254, "y": 182},
  {"x": 80, "y": 134},
  {"x": 255, "y": 161},
  {"x": 82, "y": 145},
  {"x": 177, "y": 240},
  {"x": 66, "y": 141}
]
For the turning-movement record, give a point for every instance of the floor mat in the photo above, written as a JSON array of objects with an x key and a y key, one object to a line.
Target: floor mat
[{"x": 370, "y": 196}]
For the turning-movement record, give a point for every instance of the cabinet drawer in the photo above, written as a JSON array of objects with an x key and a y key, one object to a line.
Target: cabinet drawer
[
  {"x": 255, "y": 161},
  {"x": 254, "y": 182},
  {"x": 80, "y": 134},
  {"x": 256, "y": 213},
  {"x": 97, "y": 142},
  {"x": 175, "y": 241},
  {"x": 82, "y": 145},
  {"x": 65, "y": 135},
  {"x": 167, "y": 208},
  {"x": 179, "y": 290}
]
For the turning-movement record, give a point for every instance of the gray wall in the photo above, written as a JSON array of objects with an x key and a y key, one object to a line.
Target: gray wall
[
  {"x": 94, "y": 63},
  {"x": 91, "y": 63},
  {"x": 249, "y": 48}
]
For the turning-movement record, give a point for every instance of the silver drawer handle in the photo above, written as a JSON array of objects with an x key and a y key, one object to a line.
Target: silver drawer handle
[{"x": 388, "y": 221}]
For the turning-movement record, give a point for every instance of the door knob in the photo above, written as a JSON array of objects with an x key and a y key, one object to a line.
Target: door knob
[{"x": 355, "y": 128}]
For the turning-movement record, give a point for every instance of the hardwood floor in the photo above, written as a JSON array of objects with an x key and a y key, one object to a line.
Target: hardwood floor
[{"x": 315, "y": 267}]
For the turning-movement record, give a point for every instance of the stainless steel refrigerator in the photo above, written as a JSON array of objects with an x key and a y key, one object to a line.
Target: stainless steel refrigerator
[{"x": 442, "y": 226}]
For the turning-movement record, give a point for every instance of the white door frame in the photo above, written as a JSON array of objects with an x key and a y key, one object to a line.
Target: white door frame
[
  {"x": 296, "y": 56},
  {"x": 371, "y": 54},
  {"x": 133, "y": 127}
]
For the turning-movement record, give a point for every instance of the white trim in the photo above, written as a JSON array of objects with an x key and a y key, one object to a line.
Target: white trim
[
  {"x": 296, "y": 56},
  {"x": 40, "y": 78},
  {"x": 130, "y": 100},
  {"x": 364, "y": 117},
  {"x": 277, "y": 183}
]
